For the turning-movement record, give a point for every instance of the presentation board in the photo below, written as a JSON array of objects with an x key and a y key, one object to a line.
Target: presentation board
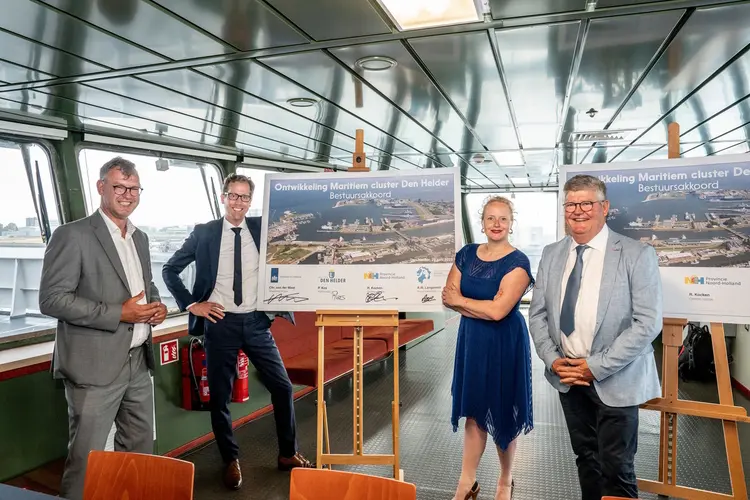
[
  {"x": 696, "y": 214},
  {"x": 365, "y": 240}
]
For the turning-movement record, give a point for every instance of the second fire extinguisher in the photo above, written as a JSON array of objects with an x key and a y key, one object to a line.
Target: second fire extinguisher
[{"x": 240, "y": 389}]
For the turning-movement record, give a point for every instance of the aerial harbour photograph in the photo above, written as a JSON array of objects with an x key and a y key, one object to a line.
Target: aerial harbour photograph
[
  {"x": 386, "y": 222},
  {"x": 687, "y": 227}
]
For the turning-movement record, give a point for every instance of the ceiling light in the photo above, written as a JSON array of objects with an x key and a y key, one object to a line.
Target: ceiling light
[
  {"x": 590, "y": 5},
  {"x": 375, "y": 63},
  {"x": 508, "y": 158},
  {"x": 414, "y": 14},
  {"x": 302, "y": 102}
]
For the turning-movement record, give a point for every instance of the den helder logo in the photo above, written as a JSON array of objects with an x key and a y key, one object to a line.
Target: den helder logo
[{"x": 331, "y": 278}]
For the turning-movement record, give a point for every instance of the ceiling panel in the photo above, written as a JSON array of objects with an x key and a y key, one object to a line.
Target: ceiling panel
[
  {"x": 503, "y": 9},
  {"x": 537, "y": 62},
  {"x": 64, "y": 32},
  {"x": 729, "y": 86},
  {"x": 604, "y": 4},
  {"x": 331, "y": 19},
  {"x": 464, "y": 67},
  {"x": 242, "y": 109},
  {"x": 324, "y": 76},
  {"x": 616, "y": 53},
  {"x": 12, "y": 73},
  {"x": 244, "y": 24},
  {"x": 259, "y": 81},
  {"x": 721, "y": 124},
  {"x": 422, "y": 101},
  {"x": 44, "y": 59},
  {"x": 143, "y": 24},
  {"x": 698, "y": 50}
]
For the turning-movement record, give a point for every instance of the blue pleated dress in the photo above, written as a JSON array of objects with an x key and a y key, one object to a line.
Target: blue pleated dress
[{"x": 492, "y": 367}]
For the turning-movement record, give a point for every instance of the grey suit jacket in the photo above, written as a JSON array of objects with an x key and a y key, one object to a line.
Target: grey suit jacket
[
  {"x": 83, "y": 285},
  {"x": 629, "y": 318}
]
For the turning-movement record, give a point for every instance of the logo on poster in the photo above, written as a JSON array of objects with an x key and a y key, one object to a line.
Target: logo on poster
[
  {"x": 332, "y": 278},
  {"x": 274, "y": 275},
  {"x": 695, "y": 280},
  {"x": 371, "y": 276},
  {"x": 423, "y": 273}
]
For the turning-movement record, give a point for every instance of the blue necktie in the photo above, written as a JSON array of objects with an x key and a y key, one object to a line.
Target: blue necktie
[
  {"x": 568, "y": 312},
  {"x": 237, "y": 283}
]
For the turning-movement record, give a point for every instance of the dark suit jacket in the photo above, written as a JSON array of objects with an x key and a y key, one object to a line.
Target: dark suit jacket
[
  {"x": 203, "y": 247},
  {"x": 83, "y": 285}
]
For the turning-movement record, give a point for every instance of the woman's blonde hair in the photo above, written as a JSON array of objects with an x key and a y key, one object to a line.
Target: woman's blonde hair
[{"x": 498, "y": 199}]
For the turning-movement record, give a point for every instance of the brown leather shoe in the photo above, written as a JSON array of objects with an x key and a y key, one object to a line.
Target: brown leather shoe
[
  {"x": 297, "y": 460},
  {"x": 233, "y": 475}
]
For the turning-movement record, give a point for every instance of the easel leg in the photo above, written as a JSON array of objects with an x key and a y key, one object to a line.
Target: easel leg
[
  {"x": 397, "y": 472},
  {"x": 321, "y": 402},
  {"x": 358, "y": 413},
  {"x": 731, "y": 437}
]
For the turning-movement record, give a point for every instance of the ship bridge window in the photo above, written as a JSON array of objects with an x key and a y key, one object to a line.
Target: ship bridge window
[
  {"x": 534, "y": 226},
  {"x": 177, "y": 195},
  {"x": 28, "y": 214}
]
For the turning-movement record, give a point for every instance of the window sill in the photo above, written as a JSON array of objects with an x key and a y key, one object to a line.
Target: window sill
[{"x": 18, "y": 358}]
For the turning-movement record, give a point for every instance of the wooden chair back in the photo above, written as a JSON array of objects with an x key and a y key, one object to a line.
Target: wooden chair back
[
  {"x": 323, "y": 484},
  {"x": 114, "y": 475}
]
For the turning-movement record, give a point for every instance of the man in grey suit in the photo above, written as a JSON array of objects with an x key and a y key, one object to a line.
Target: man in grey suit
[
  {"x": 596, "y": 309},
  {"x": 96, "y": 280}
]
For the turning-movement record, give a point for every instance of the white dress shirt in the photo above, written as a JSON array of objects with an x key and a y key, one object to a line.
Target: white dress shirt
[
  {"x": 223, "y": 292},
  {"x": 133, "y": 270},
  {"x": 578, "y": 343}
]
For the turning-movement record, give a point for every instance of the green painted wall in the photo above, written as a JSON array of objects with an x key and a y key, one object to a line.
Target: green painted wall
[{"x": 34, "y": 421}]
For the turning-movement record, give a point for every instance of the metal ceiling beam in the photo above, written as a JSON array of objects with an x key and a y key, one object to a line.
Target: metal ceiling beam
[
  {"x": 370, "y": 39},
  {"x": 646, "y": 71},
  {"x": 697, "y": 89}
]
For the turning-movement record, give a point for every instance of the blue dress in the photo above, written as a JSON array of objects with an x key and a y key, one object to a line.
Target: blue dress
[{"x": 492, "y": 368}]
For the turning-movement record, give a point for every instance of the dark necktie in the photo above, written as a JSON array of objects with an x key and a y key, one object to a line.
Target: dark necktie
[
  {"x": 237, "y": 283},
  {"x": 568, "y": 312}
]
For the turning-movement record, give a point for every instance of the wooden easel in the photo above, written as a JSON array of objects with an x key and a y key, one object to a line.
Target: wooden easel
[
  {"x": 358, "y": 320},
  {"x": 670, "y": 405}
]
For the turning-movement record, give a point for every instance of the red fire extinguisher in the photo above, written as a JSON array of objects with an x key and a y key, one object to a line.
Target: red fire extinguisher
[
  {"x": 195, "y": 393},
  {"x": 240, "y": 389}
]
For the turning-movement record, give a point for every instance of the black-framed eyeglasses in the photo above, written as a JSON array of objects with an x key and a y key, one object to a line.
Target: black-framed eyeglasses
[
  {"x": 234, "y": 197},
  {"x": 586, "y": 206},
  {"x": 134, "y": 191}
]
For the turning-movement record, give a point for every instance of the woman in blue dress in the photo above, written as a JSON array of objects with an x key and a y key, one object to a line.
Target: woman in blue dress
[{"x": 492, "y": 368}]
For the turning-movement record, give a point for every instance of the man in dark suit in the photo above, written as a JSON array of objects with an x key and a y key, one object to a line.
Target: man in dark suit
[
  {"x": 96, "y": 280},
  {"x": 226, "y": 255}
]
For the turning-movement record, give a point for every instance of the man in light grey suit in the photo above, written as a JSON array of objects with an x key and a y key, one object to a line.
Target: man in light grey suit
[
  {"x": 595, "y": 310},
  {"x": 96, "y": 280}
]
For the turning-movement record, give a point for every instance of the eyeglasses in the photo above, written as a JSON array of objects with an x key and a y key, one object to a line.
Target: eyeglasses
[
  {"x": 235, "y": 197},
  {"x": 586, "y": 206},
  {"x": 134, "y": 191}
]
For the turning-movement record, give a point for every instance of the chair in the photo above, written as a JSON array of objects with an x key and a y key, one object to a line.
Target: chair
[
  {"x": 114, "y": 475},
  {"x": 322, "y": 484}
]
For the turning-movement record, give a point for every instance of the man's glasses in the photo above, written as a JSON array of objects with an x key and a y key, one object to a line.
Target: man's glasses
[
  {"x": 586, "y": 206},
  {"x": 235, "y": 197},
  {"x": 134, "y": 191}
]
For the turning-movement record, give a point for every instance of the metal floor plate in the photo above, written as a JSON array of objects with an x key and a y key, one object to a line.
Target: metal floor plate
[{"x": 431, "y": 452}]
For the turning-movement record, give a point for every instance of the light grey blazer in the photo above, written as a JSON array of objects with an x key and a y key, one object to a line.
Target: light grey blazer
[
  {"x": 629, "y": 318},
  {"x": 83, "y": 285}
]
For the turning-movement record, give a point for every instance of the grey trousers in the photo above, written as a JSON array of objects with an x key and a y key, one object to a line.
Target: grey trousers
[{"x": 91, "y": 411}]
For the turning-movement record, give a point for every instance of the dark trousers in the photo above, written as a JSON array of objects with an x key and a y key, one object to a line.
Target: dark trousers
[
  {"x": 604, "y": 440},
  {"x": 223, "y": 341}
]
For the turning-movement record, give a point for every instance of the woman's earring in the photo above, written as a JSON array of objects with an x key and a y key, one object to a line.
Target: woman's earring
[{"x": 510, "y": 232}]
